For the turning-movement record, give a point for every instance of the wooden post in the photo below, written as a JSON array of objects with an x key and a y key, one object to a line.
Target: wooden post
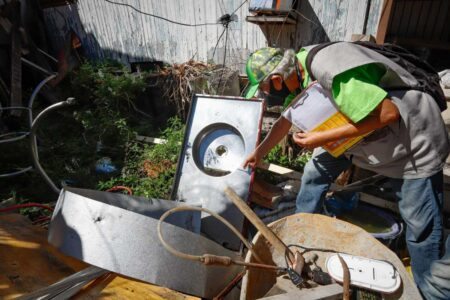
[
  {"x": 16, "y": 64},
  {"x": 276, "y": 242},
  {"x": 385, "y": 18}
]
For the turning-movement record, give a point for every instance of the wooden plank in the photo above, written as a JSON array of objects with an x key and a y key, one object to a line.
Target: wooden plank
[
  {"x": 385, "y": 19},
  {"x": 270, "y": 19},
  {"x": 328, "y": 292},
  {"x": 260, "y": 200},
  {"x": 392, "y": 206},
  {"x": 29, "y": 263},
  {"x": 288, "y": 173},
  {"x": 152, "y": 140},
  {"x": 5, "y": 24}
]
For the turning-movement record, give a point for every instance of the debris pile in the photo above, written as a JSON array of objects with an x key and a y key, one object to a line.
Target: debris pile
[{"x": 181, "y": 81}]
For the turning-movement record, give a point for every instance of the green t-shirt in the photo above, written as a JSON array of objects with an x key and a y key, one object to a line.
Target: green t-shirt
[{"x": 356, "y": 91}]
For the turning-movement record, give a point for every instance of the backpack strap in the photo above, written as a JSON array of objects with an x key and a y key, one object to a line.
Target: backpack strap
[{"x": 312, "y": 53}]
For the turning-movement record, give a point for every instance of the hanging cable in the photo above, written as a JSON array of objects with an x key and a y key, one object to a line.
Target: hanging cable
[
  {"x": 224, "y": 60},
  {"x": 303, "y": 16},
  {"x": 239, "y": 7},
  {"x": 281, "y": 29},
  {"x": 218, "y": 40},
  {"x": 158, "y": 17},
  {"x": 120, "y": 188},
  {"x": 25, "y": 205}
]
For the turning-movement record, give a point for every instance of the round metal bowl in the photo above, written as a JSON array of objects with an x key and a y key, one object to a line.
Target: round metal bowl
[{"x": 218, "y": 149}]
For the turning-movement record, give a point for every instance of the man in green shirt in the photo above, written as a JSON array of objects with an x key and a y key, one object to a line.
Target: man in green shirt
[{"x": 408, "y": 143}]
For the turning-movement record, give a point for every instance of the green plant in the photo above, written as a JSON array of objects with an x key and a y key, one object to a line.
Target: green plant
[
  {"x": 298, "y": 162},
  {"x": 101, "y": 124},
  {"x": 107, "y": 94},
  {"x": 150, "y": 169}
]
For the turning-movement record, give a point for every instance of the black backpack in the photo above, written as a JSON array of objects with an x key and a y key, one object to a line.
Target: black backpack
[{"x": 424, "y": 73}]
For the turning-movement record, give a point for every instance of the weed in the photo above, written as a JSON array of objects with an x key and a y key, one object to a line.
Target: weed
[
  {"x": 297, "y": 163},
  {"x": 150, "y": 169}
]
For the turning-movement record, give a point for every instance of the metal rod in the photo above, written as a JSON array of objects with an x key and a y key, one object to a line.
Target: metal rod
[
  {"x": 357, "y": 184},
  {"x": 14, "y": 107},
  {"x": 47, "y": 55},
  {"x": 75, "y": 281},
  {"x": 24, "y": 170},
  {"x": 230, "y": 286},
  {"x": 32, "y": 64},
  {"x": 23, "y": 134},
  {"x": 36, "y": 91},
  {"x": 366, "y": 16},
  {"x": 34, "y": 151}
]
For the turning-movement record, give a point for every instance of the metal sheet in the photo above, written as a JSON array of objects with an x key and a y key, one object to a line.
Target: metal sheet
[
  {"x": 118, "y": 233},
  {"x": 220, "y": 133}
]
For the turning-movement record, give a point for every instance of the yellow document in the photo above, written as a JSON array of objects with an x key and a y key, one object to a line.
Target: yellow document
[{"x": 315, "y": 110}]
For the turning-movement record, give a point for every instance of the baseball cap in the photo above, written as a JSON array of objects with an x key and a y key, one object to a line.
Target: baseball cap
[{"x": 265, "y": 62}]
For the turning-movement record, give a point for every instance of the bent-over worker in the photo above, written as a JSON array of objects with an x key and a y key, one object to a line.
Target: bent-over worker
[{"x": 409, "y": 143}]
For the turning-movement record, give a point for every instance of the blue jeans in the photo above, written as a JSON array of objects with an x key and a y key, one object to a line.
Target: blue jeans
[
  {"x": 436, "y": 281},
  {"x": 319, "y": 172},
  {"x": 419, "y": 200}
]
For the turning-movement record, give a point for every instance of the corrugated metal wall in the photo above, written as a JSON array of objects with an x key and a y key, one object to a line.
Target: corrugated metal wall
[
  {"x": 114, "y": 31},
  {"x": 336, "y": 20},
  {"x": 420, "y": 23}
]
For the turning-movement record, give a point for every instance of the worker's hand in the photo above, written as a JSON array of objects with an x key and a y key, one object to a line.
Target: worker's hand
[
  {"x": 252, "y": 160},
  {"x": 310, "y": 140}
]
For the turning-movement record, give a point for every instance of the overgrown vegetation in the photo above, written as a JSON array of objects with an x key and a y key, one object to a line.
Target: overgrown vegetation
[
  {"x": 150, "y": 169},
  {"x": 103, "y": 125}
]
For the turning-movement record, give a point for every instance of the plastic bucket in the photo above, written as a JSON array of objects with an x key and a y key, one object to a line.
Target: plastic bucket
[{"x": 379, "y": 223}]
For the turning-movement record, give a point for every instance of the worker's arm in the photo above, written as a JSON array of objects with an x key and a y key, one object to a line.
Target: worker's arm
[
  {"x": 385, "y": 114},
  {"x": 279, "y": 129}
]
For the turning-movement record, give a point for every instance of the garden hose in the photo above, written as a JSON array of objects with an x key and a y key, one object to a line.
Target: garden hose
[{"x": 210, "y": 259}]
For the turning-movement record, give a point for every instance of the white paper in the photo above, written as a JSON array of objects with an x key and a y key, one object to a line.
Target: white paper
[{"x": 311, "y": 108}]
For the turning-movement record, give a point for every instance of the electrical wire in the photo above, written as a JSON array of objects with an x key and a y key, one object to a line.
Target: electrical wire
[
  {"x": 120, "y": 188},
  {"x": 303, "y": 16},
  {"x": 209, "y": 259},
  {"x": 224, "y": 23},
  {"x": 159, "y": 17},
  {"x": 281, "y": 29},
  {"x": 224, "y": 60},
  {"x": 218, "y": 40},
  {"x": 25, "y": 205},
  {"x": 239, "y": 7}
]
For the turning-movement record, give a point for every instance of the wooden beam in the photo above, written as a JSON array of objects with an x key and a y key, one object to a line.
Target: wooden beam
[
  {"x": 379, "y": 202},
  {"x": 16, "y": 63},
  {"x": 385, "y": 19},
  {"x": 280, "y": 170},
  {"x": 151, "y": 140},
  {"x": 329, "y": 292},
  {"x": 277, "y": 19}
]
